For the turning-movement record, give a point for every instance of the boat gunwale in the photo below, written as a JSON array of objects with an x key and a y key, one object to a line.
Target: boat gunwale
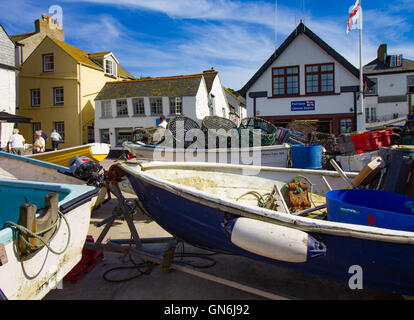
[
  {"x": 134, "y": 146},
  {"x": 293, "y": 221},
  {"x": 89, "y": 145}
]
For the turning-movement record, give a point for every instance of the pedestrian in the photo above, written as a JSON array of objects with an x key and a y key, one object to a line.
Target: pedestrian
[
  {"x": 56, "y": 138},
  {"x": 39, "y": 144},
  {"x": 16, "y": 143},
  {"x": 163, "y": 122},
  {"x": 44, "y": 135}
]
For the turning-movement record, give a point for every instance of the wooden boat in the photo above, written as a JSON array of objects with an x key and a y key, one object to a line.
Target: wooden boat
[
  {"x": 272, "y": 156},
  {"x": 94, "y": 151},
  {"x": 29, "y": 269},
  {"x": 13, "y": 166},
  {"x": 203, "y": 204}
]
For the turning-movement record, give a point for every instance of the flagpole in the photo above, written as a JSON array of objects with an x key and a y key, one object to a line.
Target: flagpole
[{"x": 361, "y": 113}]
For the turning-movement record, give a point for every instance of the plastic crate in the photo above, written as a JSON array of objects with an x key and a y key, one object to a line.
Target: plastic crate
[
  {"x": 90, "y": 259},
  {"x": 362, "y": 141}
]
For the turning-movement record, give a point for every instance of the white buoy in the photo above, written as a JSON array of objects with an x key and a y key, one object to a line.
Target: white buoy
[{"x": 275, "y": 241}]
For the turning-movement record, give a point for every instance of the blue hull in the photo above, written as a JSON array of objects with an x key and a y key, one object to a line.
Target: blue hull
[{"x": 386, "y": 266}]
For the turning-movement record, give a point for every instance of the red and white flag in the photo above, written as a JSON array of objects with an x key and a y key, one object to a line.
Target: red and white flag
[{"x": 355, "y": 17}]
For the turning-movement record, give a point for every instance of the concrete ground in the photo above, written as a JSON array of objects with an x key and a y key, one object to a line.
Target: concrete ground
[{"x": 178, "y": 285}]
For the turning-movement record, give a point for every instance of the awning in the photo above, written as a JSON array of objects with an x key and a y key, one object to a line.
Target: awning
[{"x": 13, "y": 118}]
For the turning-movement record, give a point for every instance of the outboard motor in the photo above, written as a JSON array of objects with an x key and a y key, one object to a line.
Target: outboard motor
[{"x": 86, "y": 169}]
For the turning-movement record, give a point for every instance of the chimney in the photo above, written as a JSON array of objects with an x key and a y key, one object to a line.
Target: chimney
[
  {"x": 212, "y": 70},
  {"x": 47, "y": 26},
  {"x": 382, "y": 53}
]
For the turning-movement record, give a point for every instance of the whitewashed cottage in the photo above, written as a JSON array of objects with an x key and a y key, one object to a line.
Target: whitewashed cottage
[
  {"x": 7, "y": 84},
  {"x": 305, "y": 79},
  {"x": 123, "y": 106}
]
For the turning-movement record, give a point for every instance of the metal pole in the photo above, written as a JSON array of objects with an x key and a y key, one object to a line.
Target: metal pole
[{"x": 361, "y": 113}]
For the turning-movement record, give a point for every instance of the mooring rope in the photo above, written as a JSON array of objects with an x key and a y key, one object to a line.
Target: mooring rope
[{"x": 21, "y": 230}]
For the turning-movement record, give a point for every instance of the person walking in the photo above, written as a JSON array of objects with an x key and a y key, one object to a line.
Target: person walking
[
  {"x": 56, "y": 138},
  {"x": 16, "y": 143},
  {"x": 39, "y": 144},
  {"x": 163, "y": 122}
]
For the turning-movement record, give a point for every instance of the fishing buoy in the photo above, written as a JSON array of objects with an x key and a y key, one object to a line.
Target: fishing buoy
[{"x": 275, "y": 241}]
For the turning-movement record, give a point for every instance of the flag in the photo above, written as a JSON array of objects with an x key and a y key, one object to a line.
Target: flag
[{"x": 355, "y": 17}]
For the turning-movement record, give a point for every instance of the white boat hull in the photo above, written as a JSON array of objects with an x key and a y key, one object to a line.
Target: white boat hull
[
  {"x": 42, "y": 271},
  {"x": 270, "y": 156}
]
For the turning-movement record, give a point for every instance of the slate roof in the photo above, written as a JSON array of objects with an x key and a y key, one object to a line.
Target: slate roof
[
  {"x": 209, "y": 76},
  {"x": 233, "y": 99},
  {"x": 378, "y": 67},
  {"x": 152, "y": 87},
  {"x": 302, "y": 29}
]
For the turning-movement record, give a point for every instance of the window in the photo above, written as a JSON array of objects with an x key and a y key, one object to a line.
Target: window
[
  {"x": 110, "y": 67},
  {"x": 58, "y": 99},
  {"x": 373, "y": 91},
  {"x": 224, "y": 112},
  {"x": 410, "y": 84},
  {"x": 156, "y": 106},
  {"x": 319, "y": 78},
  {"x": 60, "y": 128},
  {"x": 211, "y": 103},
  {"x": 285, "y": 81},
  {"x": 106, "y": 109},
  {"x": 370, "y": 114},
  {"x": 36, "y": 126},
  {"x": 176, "y": 105},
  {"x": 104, "y": 134},
  {"x": 91, "y": 134},
  {"x": 48, "y": 63},
  {"x": 122, "y": 135},
  {"x": 35, "y": 97},
  {"x": 346, "y": 125},
  {"x": 138, "y": 106},
  {"x": 121, "y": 108}
]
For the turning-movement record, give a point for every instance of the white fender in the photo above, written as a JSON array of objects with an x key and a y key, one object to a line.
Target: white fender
[{"x": 274, "y": 241}]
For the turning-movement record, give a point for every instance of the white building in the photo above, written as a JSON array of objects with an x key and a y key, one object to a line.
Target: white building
[
  {"x": 237, "y": 106},
  {"x": 7, "y": 84},
  {"x": 393, "y": 94},
  {"x": 123, "y": 106},
  {"x": 305, "y": 79}
]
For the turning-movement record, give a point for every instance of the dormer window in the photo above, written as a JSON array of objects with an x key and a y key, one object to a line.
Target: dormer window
[{"x": 110, "y": 67}]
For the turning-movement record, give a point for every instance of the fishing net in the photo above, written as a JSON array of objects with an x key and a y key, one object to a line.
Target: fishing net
[
  {"x": 179, "y": 127},
  {"x": 268, "y": 130},
  {"x": 301, "y": 129},
  {"x": 218, "y": 129}
]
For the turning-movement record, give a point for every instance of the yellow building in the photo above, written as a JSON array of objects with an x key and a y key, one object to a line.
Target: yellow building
[{"x": 57, "y": 87}]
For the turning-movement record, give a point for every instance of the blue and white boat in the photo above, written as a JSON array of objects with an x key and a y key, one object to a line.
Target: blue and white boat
[
  {"x": 13, "y": 166},
  {"x": 31, "y": 266},
  {"x": 203, "y": 204}
]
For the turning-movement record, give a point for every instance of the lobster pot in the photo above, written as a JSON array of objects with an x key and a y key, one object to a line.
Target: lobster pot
[
  {"x": 218, "y": 129},
  {"x": 179, "y": 127},
  {"x": 268, "y": 130},
  {"x": 152, "y": 135}
]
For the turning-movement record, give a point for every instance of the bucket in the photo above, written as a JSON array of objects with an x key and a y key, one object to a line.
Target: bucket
[
  {"x": 306, "y": 157},
  {"x": 374, "y": 208}
]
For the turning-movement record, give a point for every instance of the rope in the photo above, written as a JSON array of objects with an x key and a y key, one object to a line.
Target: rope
[{"x": 24, "y": 231}]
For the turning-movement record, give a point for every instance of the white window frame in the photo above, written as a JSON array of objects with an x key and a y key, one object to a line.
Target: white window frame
[
  {"x": 374, "y": 90},
  {"x": 106, "y": 109},
  {"x": 102, "y": 133},
  {"x": 58, "y": 96},
  {"x": 35, "y": 100},
  {"x": 369, "y": 118},
  {"x": 138, "y": 106},
  {"x": 122, "y": 108},
  {"x": 156, "y": 106},
  {"x": 110, "y": 67},
  {"x": 176, "y": 105},
  {"x": 48, "y": 66},
  {"x": 60, "y": 128}
]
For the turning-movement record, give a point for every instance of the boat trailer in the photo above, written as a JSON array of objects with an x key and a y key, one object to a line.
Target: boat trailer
[{"x": 145, "y": 249}]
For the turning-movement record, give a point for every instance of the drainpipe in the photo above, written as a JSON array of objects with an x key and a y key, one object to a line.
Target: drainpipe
[{"x": 80, "y": 101}]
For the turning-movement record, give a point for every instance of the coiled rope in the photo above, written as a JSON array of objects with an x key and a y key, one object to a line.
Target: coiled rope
[{"x": 23, "y": 231}]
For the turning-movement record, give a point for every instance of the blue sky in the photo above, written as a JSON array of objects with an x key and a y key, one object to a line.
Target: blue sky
[{"x": 176, "y": 37}]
